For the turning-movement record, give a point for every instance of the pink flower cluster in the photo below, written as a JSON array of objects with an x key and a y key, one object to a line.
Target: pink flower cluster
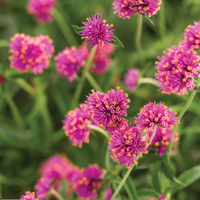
[
  {"x": 176, "y": 70},
  {"x": 41, "y": 9},
  {"x": 125, "y": 8},
  {"x": 155, "y": 114},
  {"x": 108, "y": 109},
  {"x": 30, "y": 53},
  {"x": 131, "y": 78},
  {"x": 28, "y": 196},
  {"x": 161, "y": 139},
  {"x": 69, "y": 62},
  {"x": 126, "y": 144},
  {"x": 75, "y": 125},
  {"x": 96, "y": 31}
]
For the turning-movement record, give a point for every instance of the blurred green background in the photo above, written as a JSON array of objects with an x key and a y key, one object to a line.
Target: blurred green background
[{"x": 23, "y": 149}]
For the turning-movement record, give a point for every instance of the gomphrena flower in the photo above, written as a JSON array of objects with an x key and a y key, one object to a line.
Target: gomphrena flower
[
  {"x": 41, "y": 9},
  {"x": 176, "y": 70},
  {"x": 108, "y": 194},
  {"x": 155, "y": 114},
  {"x": 30, "y": 53},
  {"x": 96, "y": 31},
  {"x": 29, "y": 196},
  {"x": 101, "y": 58},
  {"x": 125, "y": 8},
  {"x": 69, "y": 62},
  {"x": 75, "y": 125},
  {"x": 131, "y": 78},
  {"x": 108, "y": 109},
  {"x": 90, "y": 182},
  {"x": 2, "y": 79},
  {"x": 162, "y": 139},
  {"x": 192, "y": 37},
  {"x": 126, "y": 144}
]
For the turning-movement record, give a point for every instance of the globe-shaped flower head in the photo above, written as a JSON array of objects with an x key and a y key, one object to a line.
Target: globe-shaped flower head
[
  {"x": 192, "y": 37},
  {"x": 125, "y": 8},
  {"x": 96, "y": 31},
  {"x": 29, "y": 196},
  {"x": 176, "y": 70},
  {"x": 155, "y": 114},
  {"x": 126, "y": 144},
  {"x": 30, "y": 53}
]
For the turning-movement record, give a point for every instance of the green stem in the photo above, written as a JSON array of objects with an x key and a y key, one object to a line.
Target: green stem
[
  {"x": 100, "y": 130},
  {"x": 93, "y": 82},
  {"x": 139, "y": 36},
  {"x": 64, "y": 28},
  {"x": 56, "y": 194},
  {"x": 81, "y": 83},
  {"x": 162, "y": 19},
  {"x": 16, "y": 114},
  {"x": 130, "y": 169},
  {"x": 181, "y": 115},
  {"x": 23, "y": 84},
  {"x": 4, "y": 43},
  {"x": 147, "y": 80}
]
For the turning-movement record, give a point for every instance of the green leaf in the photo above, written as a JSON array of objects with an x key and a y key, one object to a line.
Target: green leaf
[
  {"x": 167, "y": 169},
  {"x": 77, "y": 29},
  {"x": 89, "y": 47},
  {"x": 113, "y": 178},
  {"x": 187, "y": 177},
  {"x": 117, "y": 42},
  {"x": 147, "y": 193},
  {"x": 144, "y": 14},
  {"x": 130, "y": 188},
  {"x": 157, "y": 180},
  {"x": 62, "y": 188},
  {"x": 149, "y": 160}
]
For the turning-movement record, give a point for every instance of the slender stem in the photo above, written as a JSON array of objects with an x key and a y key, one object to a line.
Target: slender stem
[
  {"x": 139, "y": 36},
  {"x": 80, "y": 84},
  {"x": 100, "y": 130},
  {"x": 0, "y": 191},
  {"x": 130, "y": 169},
  {"x": 181, "y": 115},
  {"x": 56, "y": 194},
  {"x": 64, "y": 28},
  {"x": 147, "y": 80},
  {"x": 22, "y": 83},
  {"x": 93, "y": 82},
  {"x": 162, "y": 19},
  {"x": 16, "y": 114},
  {"x": 4, "y": 43}
]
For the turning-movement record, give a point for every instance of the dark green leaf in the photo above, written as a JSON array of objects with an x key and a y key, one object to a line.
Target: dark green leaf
[
  {"x": 147, "y": 193},
  {"x": 167, "y": 169},
  {"x": 89, "y": 47},
  {"x": 149, "y": 160},
  {"x": 113, "y": 178},
  {"x": 77, "y": 29},
  {"x": 130, "y": 188},
  {"x": 157, "y": 180},
  {"x": 117, "y": 42},
  {"x": 187, "y": 177}
]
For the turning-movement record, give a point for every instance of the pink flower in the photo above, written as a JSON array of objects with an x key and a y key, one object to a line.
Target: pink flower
[
  {"x": 41, "y": 9},
  {"x": 125, "y": 8},
  {"x": 108, "y": 194},
  {"x": 176, "y": 70},
  {"x": 162, "y": 139},
  {"x": 69, "y": 62},
  {"x": 131, "y": 78},
  {"x": 75, "y": 125},
  {"x": 90, "y": 182},
  {"x": 2, "y": 79},
  {"x": 108, "y": 110},
  {"x": 155, "y": 114},
  {"x": 96, "y": 31},
  {"x": 28, "y": 196},
  {"x": 192, "y": 37},
  {"x": 126, "y": 144},
  {"x": 30, "y": 53}
]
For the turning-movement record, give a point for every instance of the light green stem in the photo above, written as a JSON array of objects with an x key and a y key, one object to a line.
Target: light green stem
[
  {"x": 93, "y": 82},
  {"x": 78, "y": 91},
  {"x": 100, "y": 130},
  {"x": 147, "y": 80},
  {"x": 56, "y": 194},
  {"x": 181, "y": 115},
  {"x": 16, "y": 114},
  {"x": 162, "y": 19},
  {"x": 130, "y": 169},
  {"x": 64, "y": 28},
  {"x": 4, "y": 43}
]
